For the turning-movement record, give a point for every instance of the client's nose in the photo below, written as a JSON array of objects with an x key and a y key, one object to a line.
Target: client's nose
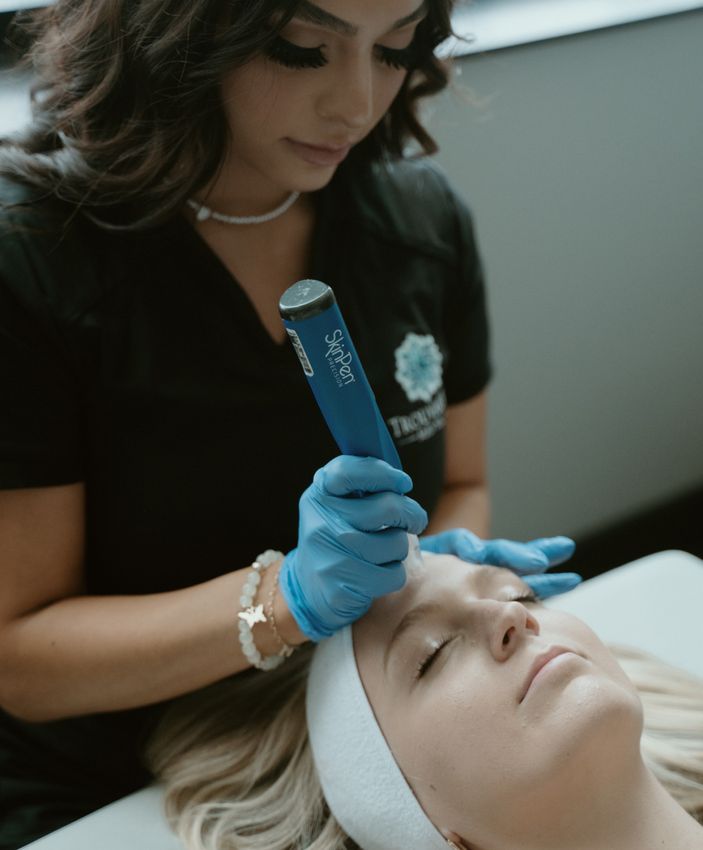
[{"x": 510, "y": 621}]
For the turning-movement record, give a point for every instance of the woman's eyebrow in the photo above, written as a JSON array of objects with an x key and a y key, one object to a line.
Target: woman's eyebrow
[{"x": 313, "y": 14}]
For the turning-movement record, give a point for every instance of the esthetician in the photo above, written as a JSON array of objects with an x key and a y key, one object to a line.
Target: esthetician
[{"x": 187, "y": 162}]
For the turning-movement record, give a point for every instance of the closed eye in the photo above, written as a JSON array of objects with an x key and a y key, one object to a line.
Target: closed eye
[
  {"x": 526, "y": 597},
  {"x": 430, "y": 659},
  {"x": 293, "y": 56}
]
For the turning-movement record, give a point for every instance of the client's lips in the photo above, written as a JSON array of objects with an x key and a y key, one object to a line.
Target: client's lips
[{"x": 538, "y": 664}]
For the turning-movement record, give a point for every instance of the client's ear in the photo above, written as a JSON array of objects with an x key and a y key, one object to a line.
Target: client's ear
[{"x": 456, "y": 842}]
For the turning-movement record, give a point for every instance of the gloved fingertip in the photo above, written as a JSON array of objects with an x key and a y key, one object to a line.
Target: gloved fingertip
[
  {"x": 417, "y": 520},
  {"x": 406, "y": 482},
  {"x": 557, "y": 540},
  {"x": 572, "y": 579},
  {"x": 546, "y": 586},
  {"x": 399, "y": 578}
]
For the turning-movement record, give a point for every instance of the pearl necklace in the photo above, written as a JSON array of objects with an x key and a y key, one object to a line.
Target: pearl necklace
[{"x": 203, "y": 213}]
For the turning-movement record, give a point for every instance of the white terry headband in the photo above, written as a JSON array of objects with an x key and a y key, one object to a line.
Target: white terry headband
[{"x": 363, "y": 785}]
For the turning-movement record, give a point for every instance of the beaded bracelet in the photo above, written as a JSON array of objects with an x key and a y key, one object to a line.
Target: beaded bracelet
[{"x": 255, "y": 614}]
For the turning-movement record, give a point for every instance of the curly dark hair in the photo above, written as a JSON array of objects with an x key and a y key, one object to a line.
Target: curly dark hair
[{"x": 126, "y": 104}]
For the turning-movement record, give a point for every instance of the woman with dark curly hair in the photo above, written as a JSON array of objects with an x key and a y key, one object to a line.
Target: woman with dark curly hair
[{"x": 186, "y": 162}]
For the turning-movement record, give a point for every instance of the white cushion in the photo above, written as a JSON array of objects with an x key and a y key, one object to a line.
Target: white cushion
[
  {"x": 654, "y": 603},
  {"x": 136, "y": 822}
]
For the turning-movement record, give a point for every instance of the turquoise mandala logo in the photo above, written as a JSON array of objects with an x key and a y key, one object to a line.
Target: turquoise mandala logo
[{"x": 418, "y": 366}]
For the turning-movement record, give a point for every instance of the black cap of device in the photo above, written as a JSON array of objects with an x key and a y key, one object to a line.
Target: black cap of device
[{"x": 305, "y": 299}]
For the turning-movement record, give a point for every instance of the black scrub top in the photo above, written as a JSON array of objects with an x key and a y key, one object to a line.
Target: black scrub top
[{"x": 136, "y": 363}]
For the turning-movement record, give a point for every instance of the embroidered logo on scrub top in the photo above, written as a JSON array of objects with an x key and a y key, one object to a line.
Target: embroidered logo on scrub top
[
  {"x": 418, "y": 366},
  {"x": 418, "y": 370}
]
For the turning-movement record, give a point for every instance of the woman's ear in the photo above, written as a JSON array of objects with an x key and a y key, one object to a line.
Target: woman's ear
[{"x": 456, "y": 842}]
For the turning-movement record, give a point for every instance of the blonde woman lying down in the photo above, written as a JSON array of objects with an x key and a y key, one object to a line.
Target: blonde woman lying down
[{"x": 427, "y": 728}]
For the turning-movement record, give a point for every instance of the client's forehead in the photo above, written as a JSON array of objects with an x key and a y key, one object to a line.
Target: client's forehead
[
  {"x": 439, "y": 578},
  {"x": 441, "y": 574}
]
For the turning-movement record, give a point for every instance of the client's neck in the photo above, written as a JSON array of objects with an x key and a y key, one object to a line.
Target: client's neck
[
  {"x": 640, "y": 816},
  {"x": 635, "y": 813}
]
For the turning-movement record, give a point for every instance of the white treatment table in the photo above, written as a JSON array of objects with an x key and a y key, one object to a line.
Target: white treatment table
[{"x": 653, "y": 603}]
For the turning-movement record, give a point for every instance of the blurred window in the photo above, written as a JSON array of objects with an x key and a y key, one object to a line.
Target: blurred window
[
  {"x": 14, "y": 5},
  {"x": 494, "y": 24}
]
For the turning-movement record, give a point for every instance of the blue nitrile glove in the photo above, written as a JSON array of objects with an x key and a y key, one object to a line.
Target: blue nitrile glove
[
  {"x": 352, "y": 539},
  {"x": 528, "y": 560}
]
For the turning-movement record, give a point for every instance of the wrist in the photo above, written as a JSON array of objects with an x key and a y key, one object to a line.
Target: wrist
[
  {"x": 285, "y": 621},
  {"x": 303, "y": 620},
  {"x": 288, "y": 626},
  {"x": 281, "y": 628}
]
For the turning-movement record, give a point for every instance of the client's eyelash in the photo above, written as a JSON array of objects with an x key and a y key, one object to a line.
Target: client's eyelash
[
  {"x": 429, "y": 660},
  {"x": 526, "y": 597},
  {"x": 292, "y": 56}
]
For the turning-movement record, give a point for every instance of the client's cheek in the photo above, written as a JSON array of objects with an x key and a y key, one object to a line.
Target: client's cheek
[
  {"x": 447, "y": 786},
  {"x": 444, "y": 747},
  {"x": 585, "y": 641},
  {"x": 430, "y": 777}
]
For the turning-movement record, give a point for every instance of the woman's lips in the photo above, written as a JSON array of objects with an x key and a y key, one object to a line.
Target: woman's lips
[
  {"x": 319, "y": 155},
  {"x": 549, "y": 660}
]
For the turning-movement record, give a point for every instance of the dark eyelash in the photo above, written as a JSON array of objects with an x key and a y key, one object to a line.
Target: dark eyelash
[
  {"x": 398, "y": 58},
  {"x": 286, "y": 53},
  {"x": 292, "y": 56},
  {"x": 429, "y": 660}
]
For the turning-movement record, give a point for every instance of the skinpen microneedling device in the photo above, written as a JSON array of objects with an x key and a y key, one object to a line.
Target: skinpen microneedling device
[{"x": 331, "y": 364}]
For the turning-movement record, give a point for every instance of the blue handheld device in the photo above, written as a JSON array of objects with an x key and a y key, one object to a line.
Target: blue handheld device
[{"x": 326, "y": 352}]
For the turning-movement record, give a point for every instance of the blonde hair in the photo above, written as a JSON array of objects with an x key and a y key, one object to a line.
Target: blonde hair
[
  {"x": 672, "y": 739},
  {"x": 239, "y": 773}
]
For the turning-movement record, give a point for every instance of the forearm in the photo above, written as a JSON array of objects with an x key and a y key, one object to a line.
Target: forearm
[
  {"x": 462, "y": 506},
  {"x": 84, "y": 655}
]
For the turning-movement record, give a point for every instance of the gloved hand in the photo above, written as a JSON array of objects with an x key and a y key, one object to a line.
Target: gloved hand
[
  {"x": 528, "y": 560},
  {"x": 350, "y": 550}
]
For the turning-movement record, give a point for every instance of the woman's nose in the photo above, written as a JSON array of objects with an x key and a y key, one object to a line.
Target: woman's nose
[
  {"x": 349, "y": 96},
  {"x": 509, "y": 623}
]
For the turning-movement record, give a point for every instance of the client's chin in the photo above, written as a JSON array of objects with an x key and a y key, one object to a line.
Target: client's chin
[{"x": 587, "y": 732}]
